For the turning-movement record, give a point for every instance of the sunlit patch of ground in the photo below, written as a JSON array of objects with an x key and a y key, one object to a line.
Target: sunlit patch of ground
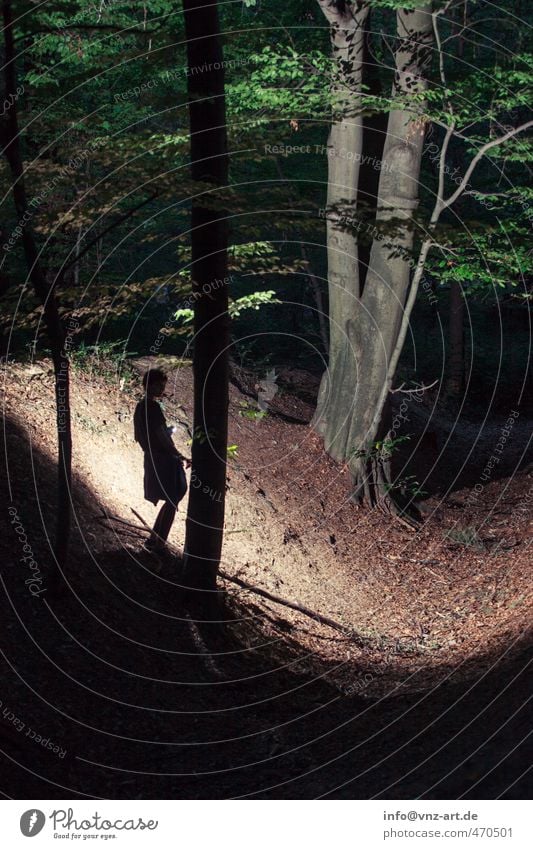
[{"x": 412, "y": 603}]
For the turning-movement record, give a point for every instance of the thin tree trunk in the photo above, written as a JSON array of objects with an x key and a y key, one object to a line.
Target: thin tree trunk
[
  {"x": 314, "y": 283},
  {"x": 454, "y": 383},
  {"x": 455, "y": 378},
  {"x": 46, "y": 294},
  {"x": 209, "y": 162}
]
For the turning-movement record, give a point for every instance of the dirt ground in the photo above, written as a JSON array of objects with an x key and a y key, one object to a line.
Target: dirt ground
[{"x": 422, "y": 694}]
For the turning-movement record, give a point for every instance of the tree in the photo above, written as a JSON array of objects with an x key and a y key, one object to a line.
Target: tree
[
  {"x": 11, "y": 143},
  {"x": 366, "y": 322},
  {"x": 369, "y": 324},
  {"x": 105, "y": 154},
  {"x": 209, "y": 166}
]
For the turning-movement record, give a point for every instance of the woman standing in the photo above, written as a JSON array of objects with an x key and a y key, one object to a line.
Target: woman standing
[{"x": 164, "y": 476}]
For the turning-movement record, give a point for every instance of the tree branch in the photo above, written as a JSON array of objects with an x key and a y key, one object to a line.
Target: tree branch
[
  {"x": 442, "y": 171},
  {"x": 420, "y": 388},
  {"x": 450, "y": 129},
  {"x": 393, "y": 362},
  {"x": 442, "y": 72},
  {"x": 476, "y": 194},
  {"x": 479, "y": 155}
]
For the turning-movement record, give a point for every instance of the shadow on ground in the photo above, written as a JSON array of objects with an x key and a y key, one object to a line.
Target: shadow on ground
[{"x": 112, "y": 690}]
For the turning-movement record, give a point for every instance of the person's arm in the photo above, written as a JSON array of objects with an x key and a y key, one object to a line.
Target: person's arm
[
  {"x": 159, "y": 435},
  {"x": 166, "y": 442}
]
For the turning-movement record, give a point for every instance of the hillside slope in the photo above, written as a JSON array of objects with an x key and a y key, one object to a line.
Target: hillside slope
[
  {"x": 458, "y": 586},
  {"x": 436, "y": 621}
]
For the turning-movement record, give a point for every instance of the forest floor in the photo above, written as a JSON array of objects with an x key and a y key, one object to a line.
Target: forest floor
[{"x": 423, "y": 694}]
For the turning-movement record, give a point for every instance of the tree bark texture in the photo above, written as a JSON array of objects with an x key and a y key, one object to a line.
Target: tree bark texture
[
  {"x": 209, "y": 165},
  {"x": 352, "y": 409}
]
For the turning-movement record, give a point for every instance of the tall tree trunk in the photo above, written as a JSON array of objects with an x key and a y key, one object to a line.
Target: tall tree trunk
[
  {"x": 12, "y": 150},
  {"x": 209, "y": 163},
  {"x": 374, "y": 134},
  {"x": 345, "y": 144},
  {"x": 375, "y": 332},
  {"x": 358, "y": 388}
]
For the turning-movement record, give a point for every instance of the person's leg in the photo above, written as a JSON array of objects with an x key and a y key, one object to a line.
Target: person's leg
[
  {"x": 165, "y": 517},
  {"x": 162, "y": 526},
  {"x": 167, "y": 513}
]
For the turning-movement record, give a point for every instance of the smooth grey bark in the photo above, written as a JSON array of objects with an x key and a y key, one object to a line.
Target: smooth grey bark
[
  {"x": 354, "y": 417},
  {"x": 352, "y": 408},
  {"x": 377, "y": 330},
  {"x": 344, "y": 149},
  {"x": 374, "y": 135}
]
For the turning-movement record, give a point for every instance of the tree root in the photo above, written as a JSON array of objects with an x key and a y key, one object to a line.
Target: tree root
[{"x": 371, "y": 477}]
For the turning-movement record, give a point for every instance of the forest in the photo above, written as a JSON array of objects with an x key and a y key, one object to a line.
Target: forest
[{"x": 265, "y": 329}]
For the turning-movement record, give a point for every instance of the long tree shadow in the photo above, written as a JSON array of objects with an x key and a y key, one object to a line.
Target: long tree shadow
[{"x": 113, "y": 690}]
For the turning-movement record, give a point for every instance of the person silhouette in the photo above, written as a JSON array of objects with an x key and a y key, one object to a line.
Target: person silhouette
[{"x": 164, "y": 475}]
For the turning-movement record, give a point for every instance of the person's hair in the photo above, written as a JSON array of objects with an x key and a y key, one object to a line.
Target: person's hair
[{"x": 153, "y": 375}]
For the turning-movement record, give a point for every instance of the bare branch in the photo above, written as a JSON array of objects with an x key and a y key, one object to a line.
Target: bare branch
[
  {"x": 442, "y": 171},
  {"x": 451, "y": 128},
  {"x": 474, "y": 193},
  {"x": 442, "y": 72},
  {"x": 479, "y": 155},
  {"x": 420, "y": 388},
  {"x": 408, "y": 309}
]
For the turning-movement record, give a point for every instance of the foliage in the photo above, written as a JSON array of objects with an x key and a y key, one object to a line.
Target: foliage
[
  {"x": 407, "y": 487},
  {"x": 251, "y": 411},
  {"x": 254, "y": 301},
  {"x": 103, "y": 111},
  {"x": 107, "y": 359},
  {"x": 381, "y": 449}
]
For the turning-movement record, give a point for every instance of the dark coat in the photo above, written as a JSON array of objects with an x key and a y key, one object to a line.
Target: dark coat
[{"x": 164, "y": 476}]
